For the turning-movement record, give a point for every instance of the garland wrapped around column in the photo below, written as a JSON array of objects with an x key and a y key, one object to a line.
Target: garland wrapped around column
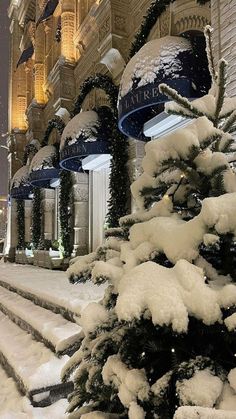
[
  {"x": 154, "y": 11},
  {"x": 56, "y": 123},
  {"x": 64, "y": 210},
  {"x": 119, "y": 177},
  {"x": 20, "y": 223},
  {"x": 36, "y": 218}
]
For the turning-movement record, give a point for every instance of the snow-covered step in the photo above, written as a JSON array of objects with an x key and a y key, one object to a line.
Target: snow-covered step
[
  {"x": 35, "y": 369},
  {"x": 50, "y": 289},
  {"x": 14, "y": 406},
  {"x": 52, "y": 329}
]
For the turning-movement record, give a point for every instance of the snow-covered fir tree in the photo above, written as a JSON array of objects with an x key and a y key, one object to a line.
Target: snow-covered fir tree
[{"x": 162, "y": 342}]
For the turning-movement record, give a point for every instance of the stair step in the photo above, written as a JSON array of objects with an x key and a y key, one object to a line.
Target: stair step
[
  {"x": 14, "y": 406},
  {"x": 50, "y": 289},
  {"x": 35, "y": 369},
  {"x": 60, "y": 335}
]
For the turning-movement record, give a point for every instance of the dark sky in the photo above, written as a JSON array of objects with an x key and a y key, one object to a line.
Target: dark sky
[{"x": 4, "y": 69}]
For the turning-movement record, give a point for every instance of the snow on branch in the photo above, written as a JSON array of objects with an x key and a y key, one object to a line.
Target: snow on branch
[
  {"x": 209, "y": 50},
  {"x": 182, "y": 101}
]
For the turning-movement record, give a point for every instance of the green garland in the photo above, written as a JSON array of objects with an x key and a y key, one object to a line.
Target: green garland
[
  {"x": 20, "y": 209},
  {"x": 65, "y": 212},
  {"x": 36, "y": 218},
  {"x": 56, "y": 123},
  {"x": 30, "y": 149},
  {"x": 154, "y": 11},
  {"x": 119, "y": 177},
  {"x": 99, "y": 81}
]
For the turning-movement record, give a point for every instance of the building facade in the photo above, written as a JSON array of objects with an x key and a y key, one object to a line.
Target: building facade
[{"x": 53, "y": 52}]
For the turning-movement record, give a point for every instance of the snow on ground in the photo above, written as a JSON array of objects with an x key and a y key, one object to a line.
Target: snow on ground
[
  {"x": 35, "y": 364},
  {"x": 52, "y": 286},
  {"x": 14, "y": 406},
  {"x": 53, "y": 327}
]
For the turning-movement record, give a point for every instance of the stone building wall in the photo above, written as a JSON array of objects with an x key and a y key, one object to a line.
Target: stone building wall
[
  {"x": 96, "y": 36},
  {"x": 223, "y": 16}
]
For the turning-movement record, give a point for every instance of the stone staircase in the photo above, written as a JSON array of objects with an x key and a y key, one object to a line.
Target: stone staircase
[{"x": 36, "y": 339}]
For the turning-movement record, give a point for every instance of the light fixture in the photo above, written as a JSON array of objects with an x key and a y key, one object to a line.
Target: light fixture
[
  {"x": 54, "y": 183},
  {"x": 96, "y": 161},
  {"x": 164, "y": 124}
]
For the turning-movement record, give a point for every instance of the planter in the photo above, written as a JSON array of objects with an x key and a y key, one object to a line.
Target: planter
[
  {"x": 21, "y": 257},
  {"x": 48, "y": 259}
]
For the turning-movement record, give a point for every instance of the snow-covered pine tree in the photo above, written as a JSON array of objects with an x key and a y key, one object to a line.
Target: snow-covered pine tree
[{"x": 162, "y": 342}]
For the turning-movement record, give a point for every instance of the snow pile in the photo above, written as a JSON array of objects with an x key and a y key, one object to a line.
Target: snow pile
[
  {"x": 45, "y": 158},
  {"x": 177, "y": 145},
  {"x": 167, "y": 295},
  {"x": 85, "y": 124},
  {"x": 132, "y": 384},
  {"x": 203, "y": 389},
  {"x": 154, "y": 58},
  {"x": 20, "y": 178},
  {"x": 193, "y": 412},
  {"x": 159, "y": 231},
  {"x": 92, "y": 316}
]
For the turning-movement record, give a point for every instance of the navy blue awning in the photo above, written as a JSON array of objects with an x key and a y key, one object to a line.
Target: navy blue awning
[
  {"x": 26, "y": 55},
  {"x": 41, "y": 178},
  {"x": 48, "y": 11},
  {"x": 21, "y": 192},
  {"x": 71, "y": 155}
]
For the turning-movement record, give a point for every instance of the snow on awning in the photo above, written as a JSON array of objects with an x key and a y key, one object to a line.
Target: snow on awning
[
  {"x": 86, "y": 134},
  {"x": 26, "y": 55},
  {"x": 48, "y": 11},
  {"x": 20, "y": 185},
  {"x": 44, "y": 167},
  {"x": 166, "y": 60}
]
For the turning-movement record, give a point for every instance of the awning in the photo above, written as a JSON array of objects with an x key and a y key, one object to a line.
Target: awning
[
  {"x": 26, "y": 55},
  {"x": 44, "y": 168},
  {"x": 88, "y": 133},
  {"x": 20, "y": 186},
  {"x": 167, "y": 60},
  {"x": 48, "y": 11}
]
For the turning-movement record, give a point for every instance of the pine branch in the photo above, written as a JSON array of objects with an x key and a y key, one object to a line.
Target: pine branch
[
  {"x": 180, "y": 100},
  {"x": 221, "y": 84},
  {"x": 179, "y": 113},
  {"x": 209, "y": 50},
  {"x": 229, "y": 123}
]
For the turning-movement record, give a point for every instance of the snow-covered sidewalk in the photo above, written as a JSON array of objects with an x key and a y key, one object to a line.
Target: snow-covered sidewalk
[{"x": 51, "y": 286}]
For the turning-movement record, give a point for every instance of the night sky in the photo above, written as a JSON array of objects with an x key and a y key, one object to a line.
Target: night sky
[{"x": 4, "y": 69}]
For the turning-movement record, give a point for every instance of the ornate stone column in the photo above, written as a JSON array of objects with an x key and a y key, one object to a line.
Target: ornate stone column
[
  {"x": 48, "y": 213},
  {"x": 28, "y": 215},
  {"x": 81, "y": 214},
  {"x": 48, "y": 47},
  {"x": 39, "y": 65},
  {"x": 136, "y": 154},
  {"x": 68, "y": 29}
]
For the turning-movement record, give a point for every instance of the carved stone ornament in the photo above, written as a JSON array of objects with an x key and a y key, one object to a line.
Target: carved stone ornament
[
  {"x": 165, "y": 23},
  {"x": 81, "y": 193},
  {"x": 120, "y": 23},
  {"x": 104, "y": 29},
  {"x": 193, "y": 22}
]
